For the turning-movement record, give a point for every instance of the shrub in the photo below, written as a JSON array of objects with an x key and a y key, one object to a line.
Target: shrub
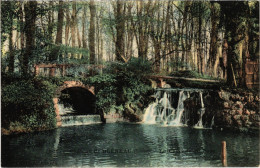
[
  {"x": 29, "y": 103},
  {"x": 121, "y": 83}
]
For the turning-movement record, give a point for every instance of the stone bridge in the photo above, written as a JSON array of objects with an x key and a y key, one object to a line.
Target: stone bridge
[
  {"x": 75, "y": 87},
  {"x": 67, "y": 85}
]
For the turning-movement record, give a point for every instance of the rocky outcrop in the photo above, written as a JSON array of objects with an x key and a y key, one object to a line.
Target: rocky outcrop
[
  {"x": 228, "y": 110},
  {"x": 237, "y": 111}
]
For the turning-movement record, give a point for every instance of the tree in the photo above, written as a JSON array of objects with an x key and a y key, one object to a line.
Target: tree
[
  {"x": 234, "y": 32},
  {"x": 30, "y": 18},
  {"x": 120, "y": 30},
  {"x": 142, "y": 28},
  {"x": 73, "y": 24},
  {"x": 11, "y": 50},
  {"x": 92, "y": 31},
  {"x": 214, "y": 15},
  {"x": 58, "y": 41}
]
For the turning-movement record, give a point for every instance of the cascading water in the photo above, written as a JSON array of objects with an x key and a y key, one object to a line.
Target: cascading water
[
  {"x": 80, "y": 120},
  {"x": 212, "y": 122},
  {"x": 201, "y": 112},
  {"x": 164, "y": 112},
  {"x": 179, "y": 110},
  {"x": 149, "y": 116},
  {"x": 69, "y": 117}
]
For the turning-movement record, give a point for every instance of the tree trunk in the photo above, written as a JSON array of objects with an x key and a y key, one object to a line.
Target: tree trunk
[
  {"x": 199, "y": 54},
  {"x": 120, "y": 30},
  {"x": 233, "y": 31},
  {"x": 245, "y": 54},
  {"x": 11, "y": 52},
  {"x": 30, "y": 18},
  {"x": 92, "y": 31},
  {"x": 58, "y": 41},
  {"x": 73, "y": 24},
  {"x": 67, "y": 28},
  {"x": 213, "y": 38},
  {"x": 50, "y": 22},
  {"x": 21, "y": 25},
  {"x": 84, "y": 40},
  {"x": 84, "y": 43}
]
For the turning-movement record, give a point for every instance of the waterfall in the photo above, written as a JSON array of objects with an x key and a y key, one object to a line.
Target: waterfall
[
  {"x": 168, "y": 109},
  {"x": 212, "y": 122},
  {"x": 80, "y": 120},
  {"x": 179, "y": 110},
  {"x": 149, "y": 116},
  {"x": 69, "y": 117},
  {"x": 201, "y": 111},
  {"x": 201, "y": 100}
]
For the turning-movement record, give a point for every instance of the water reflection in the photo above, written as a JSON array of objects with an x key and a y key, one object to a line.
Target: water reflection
[{"x": 128, "y": 145}]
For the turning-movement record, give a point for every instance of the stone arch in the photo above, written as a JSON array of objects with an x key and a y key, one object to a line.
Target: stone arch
[{"x": 66, "y": 85}]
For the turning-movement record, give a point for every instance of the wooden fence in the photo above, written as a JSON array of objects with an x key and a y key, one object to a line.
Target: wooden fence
[
  {"x": 61, "y": 69},
  {"x": 252, "y": 74}
]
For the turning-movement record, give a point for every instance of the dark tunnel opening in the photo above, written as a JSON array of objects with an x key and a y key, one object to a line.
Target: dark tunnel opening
[{"x": 79, "y": 100}]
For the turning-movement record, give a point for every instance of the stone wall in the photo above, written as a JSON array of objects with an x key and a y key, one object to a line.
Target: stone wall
[
  {"x": 228, "y": 110},
  {"x": 237, "y": 110}
]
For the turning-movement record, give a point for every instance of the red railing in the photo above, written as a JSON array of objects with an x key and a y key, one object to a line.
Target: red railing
[{"x": 52, "y": 69}]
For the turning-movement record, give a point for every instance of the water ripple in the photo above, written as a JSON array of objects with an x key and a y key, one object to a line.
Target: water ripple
[{"x": 122, "y": 144}]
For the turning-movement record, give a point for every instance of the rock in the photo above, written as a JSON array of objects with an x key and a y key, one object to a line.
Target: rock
[
  {"x": 239, "y": 123},
  {"x": 249, "y": 98},
  {"x": 233, "y": 112},
  {"x": 242, "y": 98},
  {"x": 252, "y": 112},
  {"x": 249, "y": 123},
  {"x": 228, "y": 120},
  {"x": 234, "y": 107},
  {"x": 246, "y": 112},
  {"x": 239, "y": 104},
  {"x": 254, "y": 118},
  {"x": 227, "y": 111},
  {"x": 236, "y": 117},
  {"x": 237, "y": 97},
  {"x": 224, "y": 95},
  {"x": 239, "y": 111},
  {"x": 244, "y": 118},
  {"x": 226, "y": 105}
]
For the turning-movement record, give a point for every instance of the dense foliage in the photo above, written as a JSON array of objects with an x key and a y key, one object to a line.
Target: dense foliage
[
  {"x": 27, "y": 104},
  {"x": 121, "y": 84}
]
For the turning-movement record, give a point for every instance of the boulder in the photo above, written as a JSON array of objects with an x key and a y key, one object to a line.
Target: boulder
[
  {"x": 226, "y": 105},
  {"x": 237, "y": 97},
  {"x": 224, "y": 95},
  {"x": 239, "y": 104},
  {"x": 239, "y": 111},
  {"x": 238, "y": 123},
  {"x": 244, "y": 118},
  {"x": 236, "y": 117},
  {"x": 233, "y": 112},
  {"x": 246, "y": 112},
  {"x": 252, "y": 112},
  {"x": 227, "y": 119}
]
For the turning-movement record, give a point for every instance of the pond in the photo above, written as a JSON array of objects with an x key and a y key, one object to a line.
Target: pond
[{"x": 126, "y": 144}]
